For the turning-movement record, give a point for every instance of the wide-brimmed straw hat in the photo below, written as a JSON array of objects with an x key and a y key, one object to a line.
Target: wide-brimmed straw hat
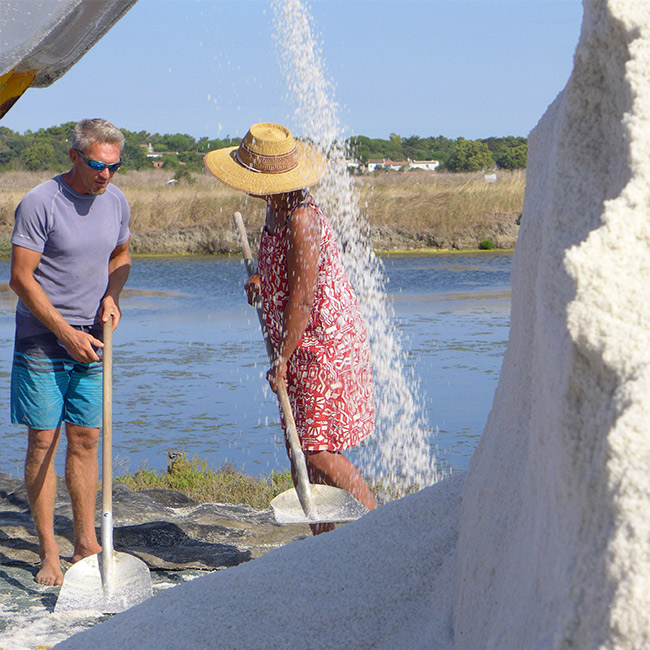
[{"x": 268, "y": 161}]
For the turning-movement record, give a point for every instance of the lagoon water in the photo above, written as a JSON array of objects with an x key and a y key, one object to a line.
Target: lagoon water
[{"x": 189, "y": 362}]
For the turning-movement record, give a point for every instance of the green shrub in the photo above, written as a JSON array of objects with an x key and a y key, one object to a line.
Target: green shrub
[{"x": 486, "y": 244}]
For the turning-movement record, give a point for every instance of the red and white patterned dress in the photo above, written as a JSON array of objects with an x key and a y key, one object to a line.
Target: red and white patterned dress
[{"x": 329, "y": 376}]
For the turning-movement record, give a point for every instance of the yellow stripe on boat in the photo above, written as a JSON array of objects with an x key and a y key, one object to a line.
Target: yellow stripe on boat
[{"x": 12, "y": 85}]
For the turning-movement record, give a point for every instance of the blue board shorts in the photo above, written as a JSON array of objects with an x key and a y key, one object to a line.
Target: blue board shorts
[{"x": 49, "y": 387}]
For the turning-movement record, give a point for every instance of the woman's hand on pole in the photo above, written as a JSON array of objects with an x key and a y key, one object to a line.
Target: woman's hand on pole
[
  {"x": 277, "y": 373},
  {"x": 252, "y": 289}
]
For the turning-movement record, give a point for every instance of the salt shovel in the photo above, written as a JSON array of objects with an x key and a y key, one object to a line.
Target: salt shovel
[
  {"x": 306, "y": 503},
  {"x": 108, "y": 582}
]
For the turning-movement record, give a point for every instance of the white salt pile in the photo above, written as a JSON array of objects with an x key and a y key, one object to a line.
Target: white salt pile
[
  {"x": 554, "y": 532},
  {"x": 554, "y": 548},
  {"x": 365, "y": 585}
]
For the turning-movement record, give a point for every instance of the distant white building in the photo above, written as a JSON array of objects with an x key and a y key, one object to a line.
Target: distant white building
[
  {"x": 385, "y": 163},
  {"x": 157, "y": 154},
  {"x": 373, "y": 163},
  {"x": 429, "y": 165},
  {"x": 400, "y": 165}
]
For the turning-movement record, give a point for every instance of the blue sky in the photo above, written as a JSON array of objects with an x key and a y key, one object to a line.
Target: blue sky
[{"x": 471, "y": 68}]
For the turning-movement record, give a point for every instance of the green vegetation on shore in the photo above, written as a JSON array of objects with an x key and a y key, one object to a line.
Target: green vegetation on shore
[
  {"x": 405, "y": 211},
  {"x": 197, "y": 481}
]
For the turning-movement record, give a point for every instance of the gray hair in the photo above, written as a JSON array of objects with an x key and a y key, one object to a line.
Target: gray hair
[{"x": 96, "y": 130}]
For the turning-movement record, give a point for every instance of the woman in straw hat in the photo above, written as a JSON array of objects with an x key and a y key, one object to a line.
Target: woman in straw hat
[{"x": 310, "y": 308}]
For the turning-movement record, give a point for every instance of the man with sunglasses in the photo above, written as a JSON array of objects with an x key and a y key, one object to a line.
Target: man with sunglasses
[{"x": 70, "y": 261}]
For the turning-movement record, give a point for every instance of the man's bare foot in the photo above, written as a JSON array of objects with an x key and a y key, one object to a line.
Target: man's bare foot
[
  {"x": 50, "y": 573},
  {"x": 85, "y": 551}
]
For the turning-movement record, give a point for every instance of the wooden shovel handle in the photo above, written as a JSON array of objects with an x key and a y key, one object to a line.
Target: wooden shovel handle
[
  {"x": 303, "y": 489},
  {"x": 107, "y": 418}
]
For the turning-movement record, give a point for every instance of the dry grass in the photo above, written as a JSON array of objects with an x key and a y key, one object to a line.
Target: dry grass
[
  {"x": 404, "y": 210},
  {"x": 204, "y": 203},
  {"x": 439, "y": 200},
  {"x": 13, "y": 186},
  {"x": 443, "y": 208}
]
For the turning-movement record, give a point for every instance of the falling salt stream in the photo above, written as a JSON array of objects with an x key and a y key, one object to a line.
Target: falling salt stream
[{"x": 399, "y": 454}]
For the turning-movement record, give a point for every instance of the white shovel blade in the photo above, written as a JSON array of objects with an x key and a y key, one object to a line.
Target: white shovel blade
[
  {"x": 332, "y": 505},
  {"x": 84, "y": 587}
]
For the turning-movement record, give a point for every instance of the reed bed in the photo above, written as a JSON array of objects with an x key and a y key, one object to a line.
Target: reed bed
[
  {"x": 404, "y": 210},
  {"x": 13, "y": 186},
  {"x": 442, "y": 209},
  {"x": 205, "y": 202},
  {"x": 186, "y": 217}
]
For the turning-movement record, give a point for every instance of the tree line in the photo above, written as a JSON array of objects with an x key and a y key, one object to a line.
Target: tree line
[
  {"x": 459, "y": 155},
  {"x": 47, "y": 149}
]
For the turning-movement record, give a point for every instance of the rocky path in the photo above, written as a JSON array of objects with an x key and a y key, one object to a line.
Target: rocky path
[{"x": 165, "y": 529}]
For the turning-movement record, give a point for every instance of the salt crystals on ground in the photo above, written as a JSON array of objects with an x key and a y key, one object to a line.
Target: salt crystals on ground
[{"x": 553, "y": 536}]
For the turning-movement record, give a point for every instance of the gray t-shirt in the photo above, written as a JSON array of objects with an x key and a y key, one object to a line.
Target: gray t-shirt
[{"x": 76, "y": 234}]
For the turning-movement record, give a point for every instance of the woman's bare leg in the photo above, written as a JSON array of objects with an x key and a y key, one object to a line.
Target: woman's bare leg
[{"x": 331, "y": 468}]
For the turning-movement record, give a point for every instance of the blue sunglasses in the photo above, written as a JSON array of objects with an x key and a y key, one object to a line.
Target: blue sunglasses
[{"x": 97, "y": 166}]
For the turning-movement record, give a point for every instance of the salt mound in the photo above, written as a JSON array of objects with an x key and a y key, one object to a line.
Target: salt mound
[
  {"x": 371, "y": 584},
  {"x": 554, "y": 539},
  {"x": 554, "y": 549}
]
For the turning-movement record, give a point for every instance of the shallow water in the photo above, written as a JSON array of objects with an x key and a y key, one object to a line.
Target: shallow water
[{"x": 189, "y": 362}]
